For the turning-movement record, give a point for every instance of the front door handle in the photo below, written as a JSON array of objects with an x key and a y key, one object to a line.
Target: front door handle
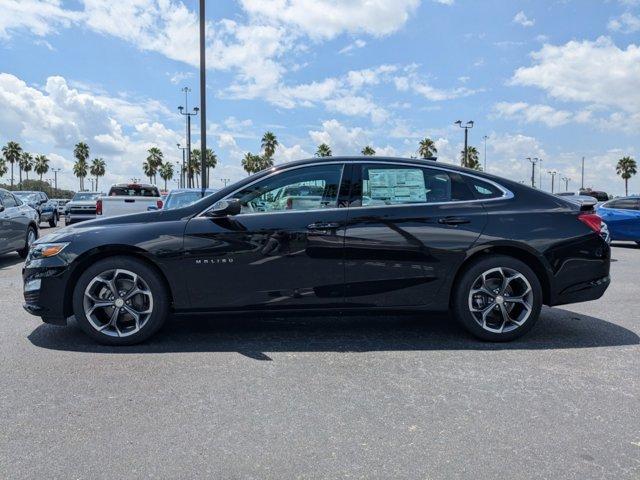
[
  {"x": 323, "y": 226},
  {"x": 453, "y": 220}
]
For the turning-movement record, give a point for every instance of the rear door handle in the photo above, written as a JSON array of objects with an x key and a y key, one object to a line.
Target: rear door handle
[
  {"x": 453, "y": 220},
  {"x": 323, "y": 226}
]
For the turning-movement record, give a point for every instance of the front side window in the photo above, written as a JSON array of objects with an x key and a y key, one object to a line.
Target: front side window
[
  {"x": 306, "y": 188},
  {"x": 400, "y": 185},
  {"x": 7, "y": 200}
]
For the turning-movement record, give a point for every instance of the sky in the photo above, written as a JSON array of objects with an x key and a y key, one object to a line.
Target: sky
[{"x": 557, "y": 80}]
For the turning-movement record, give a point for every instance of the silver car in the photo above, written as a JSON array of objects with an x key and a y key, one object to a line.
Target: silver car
[
  {"x": 81, "y": 207},
  {"x": 18, "y": 224}
]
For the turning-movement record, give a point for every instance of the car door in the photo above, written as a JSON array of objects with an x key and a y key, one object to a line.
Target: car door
[
  {"x": 280, "y": 252},
  {"x": 408, "y": 228},
  {"x": 11, "y": 231},
  {"x": 622, "y": 217}
]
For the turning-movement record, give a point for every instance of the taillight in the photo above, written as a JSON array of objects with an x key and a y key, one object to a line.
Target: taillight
[
  {"x": 159, "y": 204},
  {"x": 591, "y": 220},
  {"x": 99, "y": 207}
]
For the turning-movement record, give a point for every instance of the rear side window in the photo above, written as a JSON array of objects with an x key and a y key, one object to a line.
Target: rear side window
[
  {"x": 134, "y": 191},
  {"x": 624, "y": 204},
  {"x": 483, "y": 190},
  {"x": 404, "y": 185},
  {"x": 7, "y": 200}
]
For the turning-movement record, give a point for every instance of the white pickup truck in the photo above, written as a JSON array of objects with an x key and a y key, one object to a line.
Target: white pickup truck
[{"x": 125, "y": 198}]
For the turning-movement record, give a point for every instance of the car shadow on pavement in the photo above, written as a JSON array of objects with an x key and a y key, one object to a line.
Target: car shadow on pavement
[
  {"x": 255, "y": 337},
  {"x": 9, "y": 260}
]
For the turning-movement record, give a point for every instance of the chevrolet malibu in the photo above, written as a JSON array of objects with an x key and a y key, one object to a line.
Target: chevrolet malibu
[{"x": 373, "y": 235}]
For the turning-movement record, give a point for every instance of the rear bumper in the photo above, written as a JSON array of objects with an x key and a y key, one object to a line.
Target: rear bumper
[{"x": 583, "y": 291}]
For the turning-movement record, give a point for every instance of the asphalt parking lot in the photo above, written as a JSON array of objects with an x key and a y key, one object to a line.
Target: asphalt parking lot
[{"x": 356, "y": 397}]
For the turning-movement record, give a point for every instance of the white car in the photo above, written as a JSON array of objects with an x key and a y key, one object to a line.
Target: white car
[{"x": 125, "y": 198}]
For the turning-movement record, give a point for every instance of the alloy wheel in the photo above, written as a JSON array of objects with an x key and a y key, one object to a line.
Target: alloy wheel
[
  {"x": 501, "y": 300},
  {"x": 118, "y": 303},
  {"x": 31, "y": 237}
]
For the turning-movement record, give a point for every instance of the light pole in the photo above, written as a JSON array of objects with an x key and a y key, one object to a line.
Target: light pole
[
  {"x": 185, "y": 111},
  {"x": 553, "y": 174},
  {"x": 55, "y": 176},
  {"x": 182, "y": 170},
  {"x": 533, "y": 170},
  {"x": 485, "y": 138},
  {"x": 566, "y": 183},
  {"x": 540, "y": 173},
  {"x": 225, "y": 181},
  {"x": 203, "y": 103},
  {"x": 582, "y": 179},
  {"x": 179, "y": 179},
  {"x": 466, "y": 127}
]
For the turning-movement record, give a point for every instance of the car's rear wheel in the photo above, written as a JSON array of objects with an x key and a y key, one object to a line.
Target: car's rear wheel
[
  {"x": 120, "y": 301},
  {"x": 32, "y": 236},
  {"x": 54, "y": 221},
  {"x": 497, "y": 298}
]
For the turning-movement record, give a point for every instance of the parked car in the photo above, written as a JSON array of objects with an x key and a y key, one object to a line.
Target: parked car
[
  {"x": 39, "y": 201},
  {"x": 18, "y": 224},
  {"x": 598, "y": 195},
  {"x": 183, "y": 197},
  {"x": 442, "y": 238},
  {"x": 125, "y": 198},
  {"x": 60, "y": 205},
  {"x": 81, "y": 207},
  {"x": 622, "y": 217}
]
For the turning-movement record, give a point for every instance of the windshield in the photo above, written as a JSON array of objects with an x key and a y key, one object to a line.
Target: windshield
[
  {"x": 183, "y": 199},
  {"x": 26, "y": 196},
  {"x": 133, "y": 191},
  {"x": 85, "y": 196}
]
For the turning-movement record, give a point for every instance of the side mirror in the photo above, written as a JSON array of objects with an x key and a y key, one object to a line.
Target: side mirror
[
  {"x": 152, "y": 208},
  {"x": 225, "y": 208}
]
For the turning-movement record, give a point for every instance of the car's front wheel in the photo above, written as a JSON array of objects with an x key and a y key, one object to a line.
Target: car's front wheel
[
  {"x": 32, "y": 236},
  {"x": 120, "y": 301},
  {"x": 497, "y": 298}
]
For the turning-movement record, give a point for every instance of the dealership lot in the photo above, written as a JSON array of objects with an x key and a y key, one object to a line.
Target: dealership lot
[{"x": 359, "y": 397}]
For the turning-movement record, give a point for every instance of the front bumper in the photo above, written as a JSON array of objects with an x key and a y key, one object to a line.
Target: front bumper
[
  {"x": 77, "y": 217},
  {"x": 46, "y": 216},
  {"x": 45, "y": 297}
]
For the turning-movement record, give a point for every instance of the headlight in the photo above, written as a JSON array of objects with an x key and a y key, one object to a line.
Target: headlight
[{"x": 46, "y": 250}]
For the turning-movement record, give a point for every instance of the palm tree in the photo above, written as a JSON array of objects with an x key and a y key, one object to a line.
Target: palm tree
[
  {"x": 81, "y": 152},
  {"x": 626, "y": 168},
  {"x": 210, "y": 161},
  {"x": 473, "y": 159},
  {"x": 324, "y": 150},
  {"x": 26, "y": 164},
  {"x": 148, "y": 169},
  {"x": 98, "y": 169},
  {"x": 11, "y": 152},
  {"x": 80, "y": 171},
  {"x": 192, "y": 169},
  {"x": 3, "y": 167},
  {"x": 154, "y": 160},
  {"x": 269, "y": 144},
  {"x": 251, "y": 163},
  {"x": 369, "y": 151},
  {"x": 427, "y": 148},
  {"x": 41, "y": 166},
  {"x": 166, "y": 172}
]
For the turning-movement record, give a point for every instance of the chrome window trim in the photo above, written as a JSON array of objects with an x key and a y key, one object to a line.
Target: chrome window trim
[{"x": 507, "y": 194}]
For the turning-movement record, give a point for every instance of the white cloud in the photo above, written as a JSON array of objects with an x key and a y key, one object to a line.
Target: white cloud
[
  {"x": 341, "y": 139},
  {"x": 352, "y": 46},
  {"x": 179, "y": 77},
  {"x": 40, "y": 17},
  {"x": 421, "y": 87},
  {"x": 289, "y": 154},
  {"x": 355, "y": 105},
  {"x": 325, "y": 19},
  {"x": 533, "y": 113},
  {"x": 595, "y": 72},
  {"x": 625, "y": 23},
  {"x": 522, "y": 19}
]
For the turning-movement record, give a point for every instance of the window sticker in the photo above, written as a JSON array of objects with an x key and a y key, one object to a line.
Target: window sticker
[{"x": 397, "y": 186}]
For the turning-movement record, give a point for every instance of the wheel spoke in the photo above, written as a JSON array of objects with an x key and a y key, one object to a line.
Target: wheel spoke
[{"x": 99, "y": 304}]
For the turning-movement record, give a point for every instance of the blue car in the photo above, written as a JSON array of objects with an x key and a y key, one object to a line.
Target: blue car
[
  {"x": 622, "y": 217},
  {"x": 182, "y": 197}
]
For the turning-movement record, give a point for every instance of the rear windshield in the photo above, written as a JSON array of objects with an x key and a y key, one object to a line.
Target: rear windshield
[
  {"x": 134, "y": 191},
  {"x": 84, "y": 197}
]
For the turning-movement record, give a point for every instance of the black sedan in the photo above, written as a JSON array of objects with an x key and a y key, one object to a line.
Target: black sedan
[{"x": 329, "y": 235}]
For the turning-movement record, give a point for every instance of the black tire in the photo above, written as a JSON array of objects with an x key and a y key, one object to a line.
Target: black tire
[
  {"x": 54, "y": 221},
  {"x": 461, "y": 299},
  {"x": 160, "y": 309},
  {"x": 23, "y": 252}
]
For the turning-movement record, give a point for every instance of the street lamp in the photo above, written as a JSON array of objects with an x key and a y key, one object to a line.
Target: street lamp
[
  {"x": 203, "y": 101},
  {"x": 485, "y": 138},
  {"x": 225, "y": 181},
  {"x": 553, "y": 174},
  {"x": 185, "y": 111},
  {"x": 466, "y": 127},
  {"x": 566, "y": 183},
  {"x": 540, "y": 173},
  {"x": 55, "y": 176},
  {"x": 533, "y": 170},
  {"x": 182, "y": 170}
]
